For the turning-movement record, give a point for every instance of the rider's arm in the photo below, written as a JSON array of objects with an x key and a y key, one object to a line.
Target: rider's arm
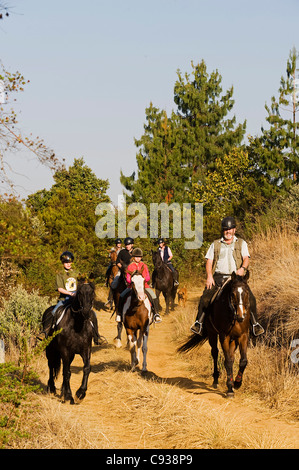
[
  {"x": 210, "y": 279},
  {"x": 245, "y": 264},
  {"x": 65, "y": 292}
]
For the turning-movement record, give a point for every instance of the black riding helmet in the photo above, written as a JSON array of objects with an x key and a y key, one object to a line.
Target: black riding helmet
[
  {"x": 227, "y": 223},
  {"x": 67, "y": 257},
  {"x": 128, "y": 241},
  {"x": 117, "y": 241}
]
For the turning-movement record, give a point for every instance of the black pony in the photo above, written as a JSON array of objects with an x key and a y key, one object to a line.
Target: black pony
[
  {"x": 163, "y": 281},
  {"x": 228, "y": 318},
  {"x": 75, "y": 323}
]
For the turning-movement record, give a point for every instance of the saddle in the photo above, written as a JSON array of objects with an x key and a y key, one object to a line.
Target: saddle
[{"x": 219, "y": 290}]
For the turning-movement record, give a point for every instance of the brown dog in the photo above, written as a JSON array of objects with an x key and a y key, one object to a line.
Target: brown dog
[{"x": 182, "y": 296}]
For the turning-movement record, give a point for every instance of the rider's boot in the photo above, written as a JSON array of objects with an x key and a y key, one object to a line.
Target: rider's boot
[
  {"x": 198, "y": 324},
  {"x": 155, "y": 306}
]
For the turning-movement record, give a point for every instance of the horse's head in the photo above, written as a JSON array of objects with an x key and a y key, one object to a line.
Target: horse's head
[
  {"x": 157, "y": 260},
  {"x": 113, "y": 257},
  {"x": 138, "y": 285},
  {"x": 240, "y": 296},
  {"x": 85, "y": 295}
]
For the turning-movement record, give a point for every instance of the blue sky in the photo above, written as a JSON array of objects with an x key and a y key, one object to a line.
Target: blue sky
[{"x": 95, "y": 66}]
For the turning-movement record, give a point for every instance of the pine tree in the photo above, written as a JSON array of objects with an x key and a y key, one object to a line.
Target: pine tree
[
  {"x": 275, "y": 152},
  {"x": 160, "y": 174},
  {"x": 206, "y": 131},
  {"x": 178, "y": 150}
]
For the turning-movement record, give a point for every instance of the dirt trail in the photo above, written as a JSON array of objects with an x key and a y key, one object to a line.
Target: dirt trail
[{"x": 106, "y": 420}]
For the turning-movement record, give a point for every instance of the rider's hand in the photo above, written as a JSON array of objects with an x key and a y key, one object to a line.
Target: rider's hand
[{"x": 210, "y": 282}]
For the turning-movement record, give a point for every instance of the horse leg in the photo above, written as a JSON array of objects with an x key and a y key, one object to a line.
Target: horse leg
[
  {"x": 167, "y": 301},
  {"x": 54, "y": 362},
  {"x": 243, "y": 361},
  {"x": 214, "y": 351},
  {"x": 66, "y": 393},
  {"x": 132, "y": 347},
  {"x": 229, "y": 351},
  {"x": 144, "y": 349},
  {"x": 117, "y": 339},
  {"x": 81, "y": 392}
]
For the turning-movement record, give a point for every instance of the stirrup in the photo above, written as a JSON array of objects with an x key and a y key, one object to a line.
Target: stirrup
[
  {"x": 257, "y": 329},
  {"x": 196, "y": 328},
  {"x": 157, "y": 320}
]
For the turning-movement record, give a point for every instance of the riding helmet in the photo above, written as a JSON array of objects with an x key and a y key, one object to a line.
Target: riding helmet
[
  {"x": 161, "y": 240},
  {"x": 227, "y": 223},
  {"x": 137, "y": 252},
  {"x": 67, "y": 257},
  {"x": 117, "y": 241},
  {"x": 128, "y": 241}
]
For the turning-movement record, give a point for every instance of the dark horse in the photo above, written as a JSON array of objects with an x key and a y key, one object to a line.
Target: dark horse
[
  {"x": 113, "y": 272},
  {"x": 75, "y": 337},
  {"x": 137, "y": 318},
  {"x": 163, "y": 281},
  {"x": 228, "y": 318},
  {"x": 121, "y": 286}
]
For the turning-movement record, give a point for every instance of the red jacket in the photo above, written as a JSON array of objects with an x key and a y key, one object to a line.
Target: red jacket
[{"x": 138, "y": 267}]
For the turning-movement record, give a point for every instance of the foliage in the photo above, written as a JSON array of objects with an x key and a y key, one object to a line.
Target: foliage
[
  {"x": 206, "y": 131},
  {"x": 178, "y": 150},
  {"x": 66, "y": 216},
  {"x": 275, "y": 152},
  {"x": 21, "y": 314},
  {"x": 21, "y": 249}
]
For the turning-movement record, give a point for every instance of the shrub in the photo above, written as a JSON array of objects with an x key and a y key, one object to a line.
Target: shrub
[{"x": 21, "y": 314}]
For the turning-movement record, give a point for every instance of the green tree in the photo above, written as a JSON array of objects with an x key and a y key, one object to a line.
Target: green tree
[
  {"x": 275, "y": 152},
  {"x": 178, "y": 150},
  {"x": 160, "y": 174},
  {"x": 67, "y": 214},
  {"x": 206, "y": 131}
]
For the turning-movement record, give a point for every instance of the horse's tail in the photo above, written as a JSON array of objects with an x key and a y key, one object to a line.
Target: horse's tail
[{"x": 194, "y": 341}]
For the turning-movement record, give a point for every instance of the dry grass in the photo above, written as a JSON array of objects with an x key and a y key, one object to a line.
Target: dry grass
[
  {"x": 275, "y": 282},
  {"x": 145, "y": 414}
]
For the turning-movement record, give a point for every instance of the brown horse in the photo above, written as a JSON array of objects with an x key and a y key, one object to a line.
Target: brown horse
[
  {"x": 228, "y": 318},
  {"x": 137, "y": 318}
]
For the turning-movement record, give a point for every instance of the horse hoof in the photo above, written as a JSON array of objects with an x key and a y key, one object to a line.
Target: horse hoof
[
  {"x": 117, "y": 343},
  {"x": 79, "y": 396},
  {"x": 215, "y": 386},
  {"x": 237, "y": 385},
  {"x": 230, "y": 395}
]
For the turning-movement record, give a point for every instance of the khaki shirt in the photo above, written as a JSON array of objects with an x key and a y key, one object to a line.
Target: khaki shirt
[
  {"x": 66, "y": 280},
  {"x": 226, "y": 262}
]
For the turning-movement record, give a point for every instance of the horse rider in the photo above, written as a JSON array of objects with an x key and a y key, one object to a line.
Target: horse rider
[
  {"x": 66, "y": 285},
  {"x": 138, "y": 265},
  {"x": 115, "y": 249},
  {"x": 123, "y": 259},
  {"x": 227, "y": 255},
  {"x": 166, "y": 255}
]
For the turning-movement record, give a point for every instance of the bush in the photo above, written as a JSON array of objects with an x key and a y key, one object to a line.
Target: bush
[{"x": 20, "y": 316}]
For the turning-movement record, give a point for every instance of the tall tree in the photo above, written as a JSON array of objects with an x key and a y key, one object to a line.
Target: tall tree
[
  {"x": 178, "y": 150},
  {"x": 206, "y": 131},
  {"x": 276, "y": 152},
  {"x": 160, "y": 175}
]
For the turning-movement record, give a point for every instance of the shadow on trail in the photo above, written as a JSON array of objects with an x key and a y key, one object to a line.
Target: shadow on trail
[{"x": 191, "y": 386}]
